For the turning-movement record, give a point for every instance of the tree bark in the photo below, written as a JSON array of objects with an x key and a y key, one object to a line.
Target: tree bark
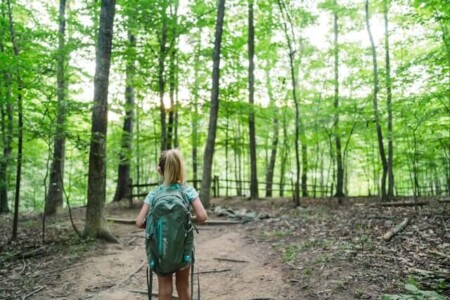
[
  {"x": 55, "y": 189},
  {"x": 4, "y": 163},
  {"x": 296, "y": 195},
  {"x": 375, "y": 107},
  {"x": 337, "y": 135},
  {"x": 7, "y": 135},
  {"x": 305, "y": 167},
  {"x": 123, "y": 181},
  {"x": 161, "y": 78},
  {"x": 195, "y": 115},
  {"x": 6, "y": 130},
  {"x": 273, "y": 153},
  {"x": 95, "y": 227},
  {"x": 19, "y": 121},
  {"x": 284, "y": 154},
  {"x": 390, "y": 162},
  {"x": 171, "y": 121},
  {"x": 251, "y": 96},
  {"x": 214, "y": 109},
  {"x": 238, "y": 158}
]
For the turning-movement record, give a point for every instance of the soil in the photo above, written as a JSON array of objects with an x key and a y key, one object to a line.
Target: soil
[{"x": 317, "y": 252}]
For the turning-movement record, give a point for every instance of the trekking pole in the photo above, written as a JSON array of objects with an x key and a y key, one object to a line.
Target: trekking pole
[
  {"x": 192, "y": 282},
  {"x": 149, "y": 283},
  {"x": 198, "y": 285},
  {"x": 192, "y": 275}
]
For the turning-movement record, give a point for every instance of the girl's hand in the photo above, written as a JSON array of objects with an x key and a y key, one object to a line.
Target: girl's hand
[
  {"x": 141, "y": 218},
  {"x": 141, "y": 224},
  {"x": 200, "y": 212}
]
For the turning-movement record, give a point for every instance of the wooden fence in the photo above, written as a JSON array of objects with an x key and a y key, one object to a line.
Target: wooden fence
[{"x": 229, "y": 188}]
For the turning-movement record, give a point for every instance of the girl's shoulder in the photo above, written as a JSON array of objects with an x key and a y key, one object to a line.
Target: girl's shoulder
[
  {"x": 151, "y": 195},
  {"x": 190, "y": 192}
]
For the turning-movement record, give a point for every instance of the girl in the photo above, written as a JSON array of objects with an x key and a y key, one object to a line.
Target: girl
[{"x": 171, "y": 168}]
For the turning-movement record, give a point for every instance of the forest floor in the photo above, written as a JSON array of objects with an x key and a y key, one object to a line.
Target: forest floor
[{"x": 319, "y": 251}]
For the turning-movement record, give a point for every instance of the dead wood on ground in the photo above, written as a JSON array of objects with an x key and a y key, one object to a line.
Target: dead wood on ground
[
  {"x": 388, "y": 235},
  {"x": 399, "y": 204}
]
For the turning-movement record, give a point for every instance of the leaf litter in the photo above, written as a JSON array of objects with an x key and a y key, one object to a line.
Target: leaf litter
[{"x": 328, "y": 251}]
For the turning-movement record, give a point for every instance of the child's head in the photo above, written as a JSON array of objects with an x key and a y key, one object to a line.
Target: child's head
[{"x": 171, "y": 166}]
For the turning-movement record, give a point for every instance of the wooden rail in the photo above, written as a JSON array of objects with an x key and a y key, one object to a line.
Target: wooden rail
[
  {"x": 241, "y": 188},
  {"x": 230, "y": 187}
]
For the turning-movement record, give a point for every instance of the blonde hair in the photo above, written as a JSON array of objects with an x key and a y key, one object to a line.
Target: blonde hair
[{"x": 171, "y": 165}]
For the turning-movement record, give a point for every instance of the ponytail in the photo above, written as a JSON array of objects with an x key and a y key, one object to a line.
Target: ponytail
[{"x": 171, "y": 164}]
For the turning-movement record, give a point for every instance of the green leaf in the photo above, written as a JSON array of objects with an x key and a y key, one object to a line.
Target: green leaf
[{"x": 411, "y": 288}]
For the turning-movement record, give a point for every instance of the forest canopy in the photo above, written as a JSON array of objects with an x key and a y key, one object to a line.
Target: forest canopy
[{"x": 348, "y": 97}]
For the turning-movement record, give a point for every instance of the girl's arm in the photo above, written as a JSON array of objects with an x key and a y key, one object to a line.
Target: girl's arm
[
  {"x": 199, "y": 210},
  {"x": 140, "y": 220}
]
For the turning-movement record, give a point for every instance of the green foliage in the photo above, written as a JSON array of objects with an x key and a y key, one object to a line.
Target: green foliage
[
  {"x": 420, "y": 67},
  {"x": 414, "y": 293}
]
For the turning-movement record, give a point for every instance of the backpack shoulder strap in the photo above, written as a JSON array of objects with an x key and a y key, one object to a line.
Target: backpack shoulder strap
[
  {"x": 157, "y": 194},
  {"x": 183, "y": 188}
]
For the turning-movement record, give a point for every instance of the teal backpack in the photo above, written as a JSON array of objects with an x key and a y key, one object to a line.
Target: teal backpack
[{"x": 169, "y": 232}]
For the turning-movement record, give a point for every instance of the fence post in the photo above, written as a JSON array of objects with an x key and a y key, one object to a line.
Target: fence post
[
  {"x": 130, "y": 191},
  {"x": 217, "y": 186}
]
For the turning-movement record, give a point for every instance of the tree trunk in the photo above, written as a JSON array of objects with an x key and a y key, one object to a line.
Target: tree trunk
[
  {"x": 19, "y": 121},
  {"x": 375, "y": 108},
  {"x": 6, "y": 131},
  {"x": 251, "y": 95},
  {"x": 273, "y": 153},
  {"x": 238, "y": 157},
  {"x": 305, "y": 192},
  {"x": 332, "y": 168},
  {"x": 195, "y": 115},
  {"x": 94, "y": 226},
  {"x": 4, "y": 163},
  {"x": 137, "y": 147},
  {"x": 7, "y": 135},
  {"x": 227, "y": 146},
  {"x": 175, "y": 117},
  {"x": 337, "y": 135},
  {"x": 390, "y": 162},
  {"x": 123, "y": 178},
  {"x": 171, "y": 122},
  {"x": 297, "y": 112},
  {"x": 284, "y": 154},
  {"x": 214, "y": 109},
  {"x": 161, "y": 79},
  {"x": 56, "y": 183},
  {"x": 415, "y": 167}
]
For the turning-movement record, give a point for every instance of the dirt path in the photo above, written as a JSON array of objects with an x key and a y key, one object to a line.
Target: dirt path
[{"x": 108, "y": 274}]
